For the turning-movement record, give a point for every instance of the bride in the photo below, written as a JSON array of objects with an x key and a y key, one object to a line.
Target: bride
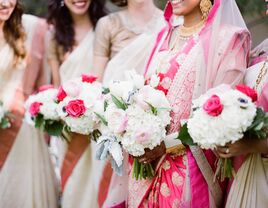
[{"x": 210, "y": 48}]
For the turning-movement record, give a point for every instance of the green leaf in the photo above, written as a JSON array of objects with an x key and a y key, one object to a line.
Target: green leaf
[
  {"x": 105, "y": 105},
  {"x": 5, "y": 123},
  {"x": 53, "y": 128},
  {"x": 119, "y": 103},
  {"x": 39, "y": 121},
  {"x": 105, "y": 90},
  {"x": 185, "y": 137},
  {"x": 103, "y": 120},
  {"x": 153, "y": 109}
]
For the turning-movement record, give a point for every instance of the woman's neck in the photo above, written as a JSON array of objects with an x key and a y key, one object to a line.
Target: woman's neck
[
  {"x": 82, "y": 25},
  {"x": 141, "y": 13},
  {"x": 193, "y": 18}
]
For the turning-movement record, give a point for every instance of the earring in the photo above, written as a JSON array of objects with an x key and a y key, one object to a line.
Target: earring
[
  {"x": 62, "y": 3},
  {"x": 205, "y": 6}
]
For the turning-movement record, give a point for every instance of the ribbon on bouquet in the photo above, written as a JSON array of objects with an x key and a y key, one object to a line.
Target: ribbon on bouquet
[{"x": 109, "y": 147}]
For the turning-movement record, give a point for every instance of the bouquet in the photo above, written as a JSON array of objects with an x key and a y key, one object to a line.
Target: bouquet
[
  {"x": 79, "y": 101},
  {"x": 41, "y": 111},
  {"x": 135, "y": 119},
  {"x": 4, "y": 120},
  {"x": 224, "y": 117}
]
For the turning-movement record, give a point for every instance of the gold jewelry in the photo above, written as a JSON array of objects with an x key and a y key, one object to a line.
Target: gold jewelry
[
  {"x": 187, "y": 32},
  {"x": 177, "y": 150},
  {"x": 262, "y": 73},
  {"x": 205, "y": 6}
]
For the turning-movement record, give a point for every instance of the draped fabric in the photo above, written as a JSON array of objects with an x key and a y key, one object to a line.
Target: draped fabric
[
  {"x": 26, "y": 176},
  {"x": 133, "y": 56},
  {"x": 217, "y": 54},
  {"x": 250, "y": 185},
  {"x": 75, "y": 158}
]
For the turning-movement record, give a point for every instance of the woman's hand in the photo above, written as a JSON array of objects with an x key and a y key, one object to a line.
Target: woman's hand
[
  {"x": 243, "y": 147},
  {"x": 151, "y": 155}
]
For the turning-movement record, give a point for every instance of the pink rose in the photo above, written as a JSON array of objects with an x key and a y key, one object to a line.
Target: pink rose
[
  {"x": 35, "y": 108},
  {"x": 117, "y": 120},
  {"x": 88, "y": 78},
  {"x": 248, "y": 92},
  {"x": 45, "y": 87},
  {"x": 75, "y": 108},
  {"x": 213, "y": 106},
  {"x": 61, "y": 94}
]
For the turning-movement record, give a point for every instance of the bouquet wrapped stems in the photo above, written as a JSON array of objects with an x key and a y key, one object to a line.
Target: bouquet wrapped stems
[
  {"x": 224, "y": 169},
  {"x": 142, "y": 171}
]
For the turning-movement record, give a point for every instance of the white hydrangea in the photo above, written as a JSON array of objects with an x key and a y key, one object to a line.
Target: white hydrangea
[
  {"x": 144, "y": 130},
  {"x": 237, "y": 115},
  {"x": 48, "y": 108},
  {"x": 82, "y": 125}
]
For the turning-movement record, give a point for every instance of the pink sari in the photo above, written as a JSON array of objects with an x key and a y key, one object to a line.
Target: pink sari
[{"x": 218, "y": 54}]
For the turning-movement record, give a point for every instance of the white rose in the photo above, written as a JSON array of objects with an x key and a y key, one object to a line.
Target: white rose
[
  {"x": 154, "y": 82},
  {"x": 137, "y": 79},
  {"x": 121, "y": 89},
  {"x": 117, "y": 119}
]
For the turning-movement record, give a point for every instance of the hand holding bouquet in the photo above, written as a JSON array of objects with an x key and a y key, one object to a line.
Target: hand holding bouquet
[
  {"x": 224, "y": 117},
  {"x": 135, "y": 118}
]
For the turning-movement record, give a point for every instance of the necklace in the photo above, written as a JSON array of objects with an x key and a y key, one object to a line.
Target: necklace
[
  {"x": 262, "y": 73},
  {"x": 187, "y": 32}
]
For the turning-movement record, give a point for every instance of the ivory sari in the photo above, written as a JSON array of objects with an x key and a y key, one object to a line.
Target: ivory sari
[
  {"x": 75, "y": 158},
  {"x": 250, "y": 185},
  {"x": 132, "y": 55},
  {"x": 216, "y": 54},
  {"x": 26, "y": 173}
]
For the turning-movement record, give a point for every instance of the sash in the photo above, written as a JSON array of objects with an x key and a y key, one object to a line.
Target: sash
[{"x": 76, "y": 148}]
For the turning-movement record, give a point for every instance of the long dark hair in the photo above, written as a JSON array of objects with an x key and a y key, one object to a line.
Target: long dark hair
[
  {"x": 14, "y": 33},
  {"x": 60, "y": 17}
]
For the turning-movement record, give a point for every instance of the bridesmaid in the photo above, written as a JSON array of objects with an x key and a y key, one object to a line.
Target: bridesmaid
[
  {"x": 250, "y": 185},
  {"x": 207, "y": 50},
  {"x": 26, "y": 173},
  {"x": 123, "y": 42},
  {"x": 70, "y": 53},
  {"x": 124, "y": 39}
]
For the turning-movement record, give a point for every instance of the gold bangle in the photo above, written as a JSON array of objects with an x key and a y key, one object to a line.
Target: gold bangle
[{"x": 176, "y": 150}]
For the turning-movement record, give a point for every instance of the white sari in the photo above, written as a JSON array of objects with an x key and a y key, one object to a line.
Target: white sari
[
  {"x": 250, "y": 185},
  {"x": 79, "y": 190},
  {"x": 27, "y": 178},
  {"x": 134, "y": 56}
]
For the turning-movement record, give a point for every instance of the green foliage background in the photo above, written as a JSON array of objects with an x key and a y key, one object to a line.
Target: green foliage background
[{"x": 38, "y": 7}]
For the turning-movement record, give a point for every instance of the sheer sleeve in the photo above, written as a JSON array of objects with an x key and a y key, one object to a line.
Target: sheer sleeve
[
  {"x": 234, "y": 61},
  {"x": 102, "y": 43}
]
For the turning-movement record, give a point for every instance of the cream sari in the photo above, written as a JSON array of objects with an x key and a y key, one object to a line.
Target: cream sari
[
  {"x": 250, "y": 186},
  {"x": 77, "y": 180},
  {"x": 133, "y": 56},
  {"x": 27, "y": 179}
]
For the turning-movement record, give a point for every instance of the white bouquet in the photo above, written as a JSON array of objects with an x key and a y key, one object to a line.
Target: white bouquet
[
  {"x": 4, "y": 120},
  {"x": 136, "y": 116},
  {"x": 80, "y": 101},
  {"x": 41, "y": 110},
  {"x": 224, "y": 117}
]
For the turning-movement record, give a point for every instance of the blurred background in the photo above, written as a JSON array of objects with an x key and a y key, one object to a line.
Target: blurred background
[{"x": 252, "y": 10}]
